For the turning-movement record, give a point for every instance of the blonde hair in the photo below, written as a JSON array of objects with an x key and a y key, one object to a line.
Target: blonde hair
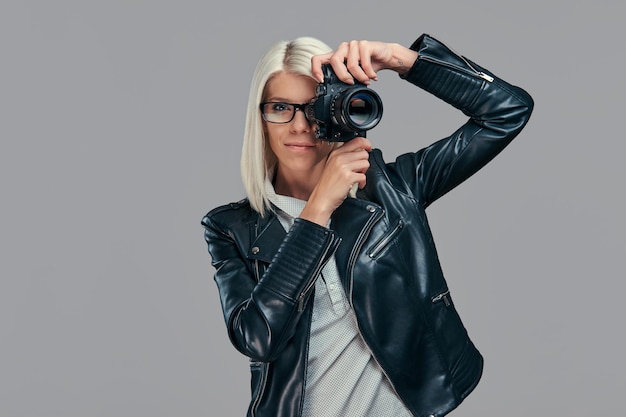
[{"x": 257, "y": 159}]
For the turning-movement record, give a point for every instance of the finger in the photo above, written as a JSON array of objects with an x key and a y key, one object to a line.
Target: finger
[
  {"x": 346, "y": 156},
  {"x": 316, "y": 65},
  {"x": 362, "y": 181},
  {"x": 365, "y": 51},
  {"x": 357, "y": 161},
  {"x": 346, "y": 163},
  {"x": 360, "y": 166},
  {"x": 356, "y": 143},
  {"x": 343, "y": 165},
  {"x": 353, "y": 62},
  {"x": 355, "y": 177},
  {"x": 352, "y": 170},
  {"x": 338, "y": 62}
]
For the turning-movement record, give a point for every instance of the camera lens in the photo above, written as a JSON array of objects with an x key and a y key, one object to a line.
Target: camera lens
[{"x": 360, "y": 109}]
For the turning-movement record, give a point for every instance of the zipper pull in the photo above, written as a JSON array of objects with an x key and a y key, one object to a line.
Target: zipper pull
[
  {"x": 301, "y": 303},
  {"x": 485, "y": 76},
  {"x": 445, "y": 297}
]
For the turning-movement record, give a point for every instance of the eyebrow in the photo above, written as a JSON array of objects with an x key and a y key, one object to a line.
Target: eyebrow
[{"x": 285, "y": 100}]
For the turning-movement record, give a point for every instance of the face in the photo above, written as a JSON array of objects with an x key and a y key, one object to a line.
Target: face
[{"x": 300, "y": 154}]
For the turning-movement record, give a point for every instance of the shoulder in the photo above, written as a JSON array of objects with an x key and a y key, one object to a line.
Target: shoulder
[
  {"x": 228, "y": 214},
  {"x": 394, "y": 171}
]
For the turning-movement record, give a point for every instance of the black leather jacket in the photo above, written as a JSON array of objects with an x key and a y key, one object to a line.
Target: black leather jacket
[{"x": 384, "y": 251}]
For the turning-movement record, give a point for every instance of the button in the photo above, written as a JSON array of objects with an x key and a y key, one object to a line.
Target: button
[
  {"x": 255, "y": 250},
  {"x": 371, "y": 208}
]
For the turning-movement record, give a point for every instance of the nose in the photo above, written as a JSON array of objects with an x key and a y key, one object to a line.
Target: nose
[{"x": 300, "y": 123}]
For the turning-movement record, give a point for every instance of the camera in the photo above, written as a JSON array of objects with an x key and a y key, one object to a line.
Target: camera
[{"x": 344, "y": 111}]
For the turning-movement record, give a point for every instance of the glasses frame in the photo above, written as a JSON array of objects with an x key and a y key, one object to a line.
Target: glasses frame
[{"x": 306, "y": 108}]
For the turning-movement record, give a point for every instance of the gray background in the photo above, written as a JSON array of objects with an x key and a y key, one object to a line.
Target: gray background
[{"x": 121, "y": 125}]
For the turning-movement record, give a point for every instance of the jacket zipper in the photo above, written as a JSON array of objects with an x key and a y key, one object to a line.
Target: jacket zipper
[
  {"x": 444, "y": 296},
  {"x": 304, "y": 292},
  {"x": 359, "y": 243},
  {"x": 474, "y": 71},
  {"x": 357, "y": 247},
  {"x": 256, "y": 270},
  {"x": 262, "y": 383},
  {"x": 256, "y": 261},
  {"x": 314, "y": 275},
  {"x": 385, "y": 241},
  {"x": 263, "y": 379}
]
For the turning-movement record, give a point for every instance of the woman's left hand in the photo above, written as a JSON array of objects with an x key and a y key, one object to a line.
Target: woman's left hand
[{"x": 361, "y": 60}]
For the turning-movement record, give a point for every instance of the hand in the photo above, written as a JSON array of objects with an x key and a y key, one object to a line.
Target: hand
[
  {"x": 345, "y": 166},
  {"x": 361, "y": 60}
]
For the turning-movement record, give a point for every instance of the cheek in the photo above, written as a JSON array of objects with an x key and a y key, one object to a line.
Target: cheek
[
  {"x": 270, "y": 136},
  {"x": 271, "y": 139}
]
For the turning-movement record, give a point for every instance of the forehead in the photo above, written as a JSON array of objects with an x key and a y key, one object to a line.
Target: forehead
[{"x": 294, "y": 88}]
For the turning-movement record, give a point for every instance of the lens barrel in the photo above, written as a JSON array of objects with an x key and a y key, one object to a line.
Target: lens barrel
[{"x": 357, "y": 109}]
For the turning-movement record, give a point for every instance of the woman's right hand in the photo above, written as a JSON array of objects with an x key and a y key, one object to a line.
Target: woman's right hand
[{"x": 345, "y": 166}]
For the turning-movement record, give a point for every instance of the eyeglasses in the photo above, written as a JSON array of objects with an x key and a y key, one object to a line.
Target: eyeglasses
[{"x": 281, "y": 112}]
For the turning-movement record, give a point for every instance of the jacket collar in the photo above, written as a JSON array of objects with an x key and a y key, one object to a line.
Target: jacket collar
[
  {"x": 351, "y": 222},
  {"x": 267, "y": 235}
]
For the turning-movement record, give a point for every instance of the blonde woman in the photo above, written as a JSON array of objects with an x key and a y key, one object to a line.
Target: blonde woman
[{"x": 338, "y": 297}]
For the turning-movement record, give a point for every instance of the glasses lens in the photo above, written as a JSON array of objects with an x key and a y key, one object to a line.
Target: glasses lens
[
  {"x": 278, "y": 112},
  {"x": 309, "y": 112}
]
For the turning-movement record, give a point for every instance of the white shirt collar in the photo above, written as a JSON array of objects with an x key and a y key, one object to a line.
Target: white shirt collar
[{"x": 289, "y": 205}]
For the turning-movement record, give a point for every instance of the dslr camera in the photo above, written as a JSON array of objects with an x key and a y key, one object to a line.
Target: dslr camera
[{"x": 344, "y": 111}]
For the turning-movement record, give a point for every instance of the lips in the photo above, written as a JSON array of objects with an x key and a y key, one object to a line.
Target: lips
[{"x": 300, "y": 145}]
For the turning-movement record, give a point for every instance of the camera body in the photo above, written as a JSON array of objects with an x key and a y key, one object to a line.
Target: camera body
[{"x": 344, "y": 111}]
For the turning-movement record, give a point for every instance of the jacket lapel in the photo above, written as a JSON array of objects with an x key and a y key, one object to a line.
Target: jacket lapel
[{"x": 269, "y": 236}]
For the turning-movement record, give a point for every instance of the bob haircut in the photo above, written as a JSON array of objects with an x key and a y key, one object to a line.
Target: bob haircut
[{"x": 257, "y": 159}]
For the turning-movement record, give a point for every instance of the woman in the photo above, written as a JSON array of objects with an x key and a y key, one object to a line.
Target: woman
[{"x": 338, "y": 298}]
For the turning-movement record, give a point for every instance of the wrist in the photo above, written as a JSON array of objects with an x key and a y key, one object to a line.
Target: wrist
[
  {"x": 316, "y": 214},
  {"x": 402, "y": 59}
]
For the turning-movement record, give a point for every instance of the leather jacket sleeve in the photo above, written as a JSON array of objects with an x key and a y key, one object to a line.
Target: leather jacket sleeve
[
  {"x": 261, "y": 316},
  {"x": 498, "y": 111}
]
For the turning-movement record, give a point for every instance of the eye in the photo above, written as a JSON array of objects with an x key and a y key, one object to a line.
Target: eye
[{"x": 280, "y": 107}]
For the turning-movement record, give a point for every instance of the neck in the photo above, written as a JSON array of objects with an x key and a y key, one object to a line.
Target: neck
[{"x": 296, "y": 185}]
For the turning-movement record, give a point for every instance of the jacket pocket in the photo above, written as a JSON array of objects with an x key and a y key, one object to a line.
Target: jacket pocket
[
  {"x": 385, "y": 240},
  {"x": 258, "y": 377}
]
